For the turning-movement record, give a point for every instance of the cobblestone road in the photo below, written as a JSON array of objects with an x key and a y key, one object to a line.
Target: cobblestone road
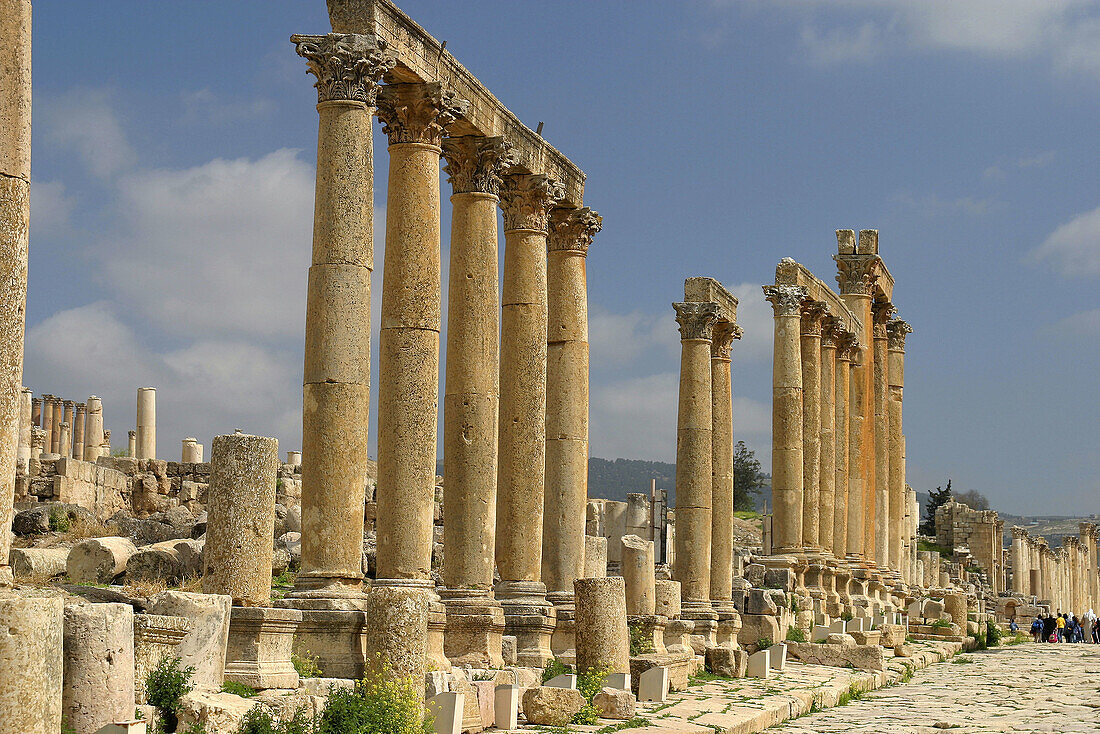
[{"x": 1022, "y": 688}]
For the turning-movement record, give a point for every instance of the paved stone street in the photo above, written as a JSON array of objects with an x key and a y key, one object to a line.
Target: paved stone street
[{"x": 1023, "y": 688}]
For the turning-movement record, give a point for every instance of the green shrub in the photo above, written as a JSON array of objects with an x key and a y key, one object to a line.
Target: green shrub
[
  {"x": 940, "y": 624},
  {"x": 554, "y": 668},
  {"x": 640, "y": 642},
  {"x": 993, "y": 635},
  {"x": 764, "y": 643},
  {"x": 59, "y": 521},
  {"x": 847, "y": 616},
  {"x": 378, "y": 704},
  {"x": 260, "y": 721},
  {"x": 165, "y": 685},
  {"x": 589, "y": 683},
  {"x": 796, "y": 634},
  {"x": 238, "y": 689},
  {"x": 305, "y": 664}
]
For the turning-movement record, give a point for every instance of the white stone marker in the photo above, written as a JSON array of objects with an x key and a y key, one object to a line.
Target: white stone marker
[
  {"x": 839, "y": 626},
  {"x": 620, "y": 681},
  {"x": 778, "y": 656},
  {"x": 653, "y": 685},
  {"x": 820, "y": 632},
  {"x": 506, "y": 707},
  {"x": 565, "y": 680},
  {"x": 759, "y": 665},
  {"x": 447, "y": 709}
]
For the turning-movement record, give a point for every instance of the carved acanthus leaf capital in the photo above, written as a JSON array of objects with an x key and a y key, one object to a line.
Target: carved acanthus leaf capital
[
  {"x": 721, "y": 343},
  {"x": 348, "y": 66},
  {"x": 418, "y": 113},
  {"x": 572, "y": 230},
  {"x": 786, "y": 300},
  {"x": 812, "y": 314},
  {"x": 476, "y": 163},
  {"x": 830, "y": 331},
  {"x": 526, "y": 200},
  {"x": 856, "y": 275},
  {"x": 896, "y": 330},
  {"x": 696, "y": 319}
]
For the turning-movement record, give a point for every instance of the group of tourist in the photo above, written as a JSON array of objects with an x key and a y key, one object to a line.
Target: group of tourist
[{"x": 1064, "y": 627}]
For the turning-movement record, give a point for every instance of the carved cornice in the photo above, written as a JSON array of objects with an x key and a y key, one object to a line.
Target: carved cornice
[
  {"x": 347, "y": 66},
  {"x": 896, "y": 330},
  {"x": 812, "y": 314},
  {"x": 476, "y": 164},
  {"x": 572, "y": 230},
  {"x": 721, "y": 343},
  {"x": 786, "y": 300},
  {"x": 696, "y": 319},
  {"x": 526, "y": 200},
  {"x": 856, "y": 275},
  {"x": 418, "y": 113}
]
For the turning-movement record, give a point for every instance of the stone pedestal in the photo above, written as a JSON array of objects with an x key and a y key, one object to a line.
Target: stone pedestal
[
  {"x": 31, "y": 659},
  {"x": 99, "y": 665},
  {"x": 474, "y": 632},
  {"x": 729, "y": 625},
  {"x": 651, "y": 629},
  {"x": 603, "y": 639},
  {"x": 156, "y": 636},
  {"x": 335, "y": 638},
  {"x": 261, "y": 641}
]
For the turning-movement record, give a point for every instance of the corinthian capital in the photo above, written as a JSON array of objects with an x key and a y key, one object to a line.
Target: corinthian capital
[
  {"x": 786, "y": 300},
  {"x": 896, "y": 329},
  {"x": 722, "y": 343},
  {"x": 348, "y": 66},
  {"x": 857, "y": 275},
  {"x": 696, "y": 319},
  {"x": 475, "y": 163},
  {"x": 572, "y": 230},
  {"x": 881, "y": 311},
  {"x": 418, "y": 113},
  {"x": 812, "y": 314},
  {"x": 527, "y": 199},
  {"x": 830, "y": 332}
]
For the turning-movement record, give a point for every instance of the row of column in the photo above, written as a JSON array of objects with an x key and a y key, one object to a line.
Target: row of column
[
  {"x": 509, "y": 412},
  {"x": 1067, "y": 577},
  {"x": 69, "y": 429}
]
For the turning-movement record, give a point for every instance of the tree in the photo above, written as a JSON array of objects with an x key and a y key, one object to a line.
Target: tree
[
  {"x": 936, "y": 498},
  {"x": 973, "y": 499},
  {"x": 747, "y": 477}
]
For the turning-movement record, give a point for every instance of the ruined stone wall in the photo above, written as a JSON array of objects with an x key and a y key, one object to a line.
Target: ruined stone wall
[{"x": 958, "y": 526}]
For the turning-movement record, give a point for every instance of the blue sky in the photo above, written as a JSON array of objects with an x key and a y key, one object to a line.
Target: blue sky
[{"x": 172, "y": 202}]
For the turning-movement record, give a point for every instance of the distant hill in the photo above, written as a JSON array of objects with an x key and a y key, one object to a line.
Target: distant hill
[{"x": 614, "y": 480}]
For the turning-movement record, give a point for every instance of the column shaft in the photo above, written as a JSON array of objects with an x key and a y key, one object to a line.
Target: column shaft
[
  {"x": 843, "y": 432},
  {"x": 78, "y": 430},
  {"x": 722, "y": 507},
  {"x": 811, "y": 422},
  {"x": 884, "y": 530},
  {"x": 896, "y": 333},
  {"x": 146, "y": 423},
  {"x": 857, "y": 478},
  {"x": 827, "y": 482},
  {"x": 23, "y": 455},
  {"x": 93, "y": 431}
]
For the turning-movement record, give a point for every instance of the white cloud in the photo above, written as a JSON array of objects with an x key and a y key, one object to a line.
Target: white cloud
[
  {"x": 754, "y": 315},
  {"x": 999, "y": 171},
  {"x": 218, "y": 249},
  {"x": 620, "y": 340},
  {"x": 1074, "y": 247},
  {"x": 1083, "y": 324},
  {"x": 933, "y": 205},
  {"x": 51, "y": 209},
  {"x": 635, "y": 418},
  {"x": 204, "y": 106},
  {"x": 838, "y": 45},
  {"x": 84, "y": 121}
]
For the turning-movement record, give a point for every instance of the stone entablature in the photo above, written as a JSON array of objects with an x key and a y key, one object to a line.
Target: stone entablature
[{"x": 790, "y": 272}]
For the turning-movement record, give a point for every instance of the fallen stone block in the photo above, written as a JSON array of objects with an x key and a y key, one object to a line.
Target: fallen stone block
[
  {"x": 215, "y": 713},
  {"x": 204, "y": 647},
  {"x": 726, "y": 662},
  {"x": 614, "y": 703},
  {"x": 38, "y": 561},
  {"x": 548, "y": 706},
  {"x": 864, "y": 657},
  {"x": 99, "y": 560}
]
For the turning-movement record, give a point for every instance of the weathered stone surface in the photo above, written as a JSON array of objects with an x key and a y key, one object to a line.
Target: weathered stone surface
[
  {"x": 261, "y": 640},
  {"x": 547, "y": 706},
  {"x": 864, "y": 657},
  {"x": 217, "y": 713},
  {"x": 614, "y": 703},
  {"x": 759, "y": 601},
  {"x": 99, "y": 560},
  {"x": 155, "y": 637},
  {"x": 38, "y": 561},
  {"x": 31, "y": 667},
  {"x": 726, "y": 662},
  {"x": 602, "y": 635},
  {"x": 667, "y": 594},
  {"x": 99, "y": 665},
  {"x": 892, "y": 634},
  {"x": 397, "y": 633},
  {"x": 205, "y": 645}
]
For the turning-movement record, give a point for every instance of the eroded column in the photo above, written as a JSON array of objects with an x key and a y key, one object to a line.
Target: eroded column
[
  {"x": 67, "y": 416},
  {"x": 896, "y": 332},
  {"x": 827, "y": 449},
  {"x": 812, "y": 314},
  {"x": 475, "y": 621},
  {"x": 842, "y": 432},
  {"x": 146, "y": 423},
  {"x": 56, "y": 419},
  {"x": 721, "y": 535},
  {"x": 79, "y": 426},
  {"x": 884, "y": 530},
  {"x": 336, "y": 381},
  {"x": 93, "y": 431},
  {"x": 857, "y": 402}
]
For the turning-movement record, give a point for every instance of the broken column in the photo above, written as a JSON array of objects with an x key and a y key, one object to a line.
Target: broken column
[
  {"x": 66, "y": 441},
  {"x": 526, "y": 201},
  {"x": 31, "y": 658},
  {"x": 191, "y": 451},
  {"x": 131, "y": 444},
  {"x": 93, "y": 431},
  {"x": 57, "y": 416},
  {"x": 80, "y": 419},
  {"x": 637, "y": 568},
  {"x": 603, "y": 638},
  {"x": 475, "y": 621},
  {"x": 146, "y": 423},
  {"x": 99, "y": 666}
]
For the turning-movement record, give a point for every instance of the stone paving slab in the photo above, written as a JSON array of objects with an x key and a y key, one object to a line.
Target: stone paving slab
[{"x": 745, "y": 705}]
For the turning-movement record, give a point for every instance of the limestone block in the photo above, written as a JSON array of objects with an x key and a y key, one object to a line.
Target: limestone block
[
  {"x": 551, "y": 706},
  {"x": 99, "y": 560},
  {"x": 892, "y": 634},
  {"x": 820, "y": 633},
  {"x": 778, "y": 659},
  {"x": 446, "y": 708},
  {"x": 758, "y": 626},
  {"x": 261, "y": 640},
  {"x": 38, "y": 561},
  {"x": 508, "y": 649},
  {"x": 216, "y": 713},
  {"x": 99, "y": 665},
  {"x": 614, "y": 703},
  {"x": 653, "y": 685},
  {"x": 471, "y": 720},
  {"x": 485, "y": 691},
  {"x": 933, "y": 609},
  {"x": 602, "y": 635},
  {"x": 506, "y": 707},
  {"x": 155, "y": 637},
  {"x": 637, "y": 569},
  {"x": 156, "y": 563},
  {"x": 667, "y": 598},
  {"x": 595, "y": 557},
  {"x": 31, "y": 665},
  {"x": 840, "y": 638},
  {"x": 759, "y": 665},
  {"x": 903, "y": 651},
  {"x": 726, "y": 662},
  {"x": 864, "y": 657},
  {"x": 780, "y": 578},
  {"x": 759, "y": 601},
  {"x": 205, "y": 645}
]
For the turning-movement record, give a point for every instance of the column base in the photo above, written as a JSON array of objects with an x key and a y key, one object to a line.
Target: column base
[
  {"x": 678, "y": 637},
  {"x": 563, "y": 642},
  {"x": 650, "y": 631},
  {"x": 530, "y": 618},
  {"x": 729, "y": 624},
  {"x": 261, "y": 641},
  {"x": 333, "y": 630},
  {"x": 705, "y": 632},
  {"x": 316, "y": 585},
  {"x": 475, "y": 625}
]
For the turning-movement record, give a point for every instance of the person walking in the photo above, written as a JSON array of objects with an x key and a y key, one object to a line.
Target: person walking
[
  {"x": 1049, "y": 629},
  {"x": 1037, "y": 628},
  {"x": 1096, "y": 631},
  {"x": 1060, "y": 626}
]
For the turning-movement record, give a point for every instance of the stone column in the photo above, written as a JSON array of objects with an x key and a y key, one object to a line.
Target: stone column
[
  {"x": 31, "y": 657},
  {"x": 812, "y": 314},
  {"x": 566, "y": 486},
  {"x": 1019, "y": 562},
  {"x": 842, "y": 431},
  {"x": 414, "y": 117},
  {"x": 15, "y": 178},
  {"x": 78, "y": 430},
  {"x": 603, "y": 639},
  {"x": 47, "y": 420},
  {"x": 857, "y": 403},
  {"x": 56, "y": 419},
  {"x": 93, "y": 431},
  {"x": 638, "y": 575},
  {"x": 146, "y": 423},
  {"x": 99, "y": 666},
  {"x": 131, "y": 444},
  {"x": 241, "y": 508},
  {"x": 191, "y": 451},
  {"x": 66, "y": 440},
  {"x": 694, "y": 447},
  {"x": 787, "y": 424},
  {"x": 896, "y": 332},
  {"x": 721, "y": 533},
  {"x": 526, "y": 201},
  {"x": 67, "y": 416},
  {"x": 475, "y": 621},
  {"x": 885, "y": 531},
  {"x": 336, "y": 381},
  {"x": 23, "y": 455},
  {"x": 827, "y": 482},
  {"x": 36, "y": 411}
]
